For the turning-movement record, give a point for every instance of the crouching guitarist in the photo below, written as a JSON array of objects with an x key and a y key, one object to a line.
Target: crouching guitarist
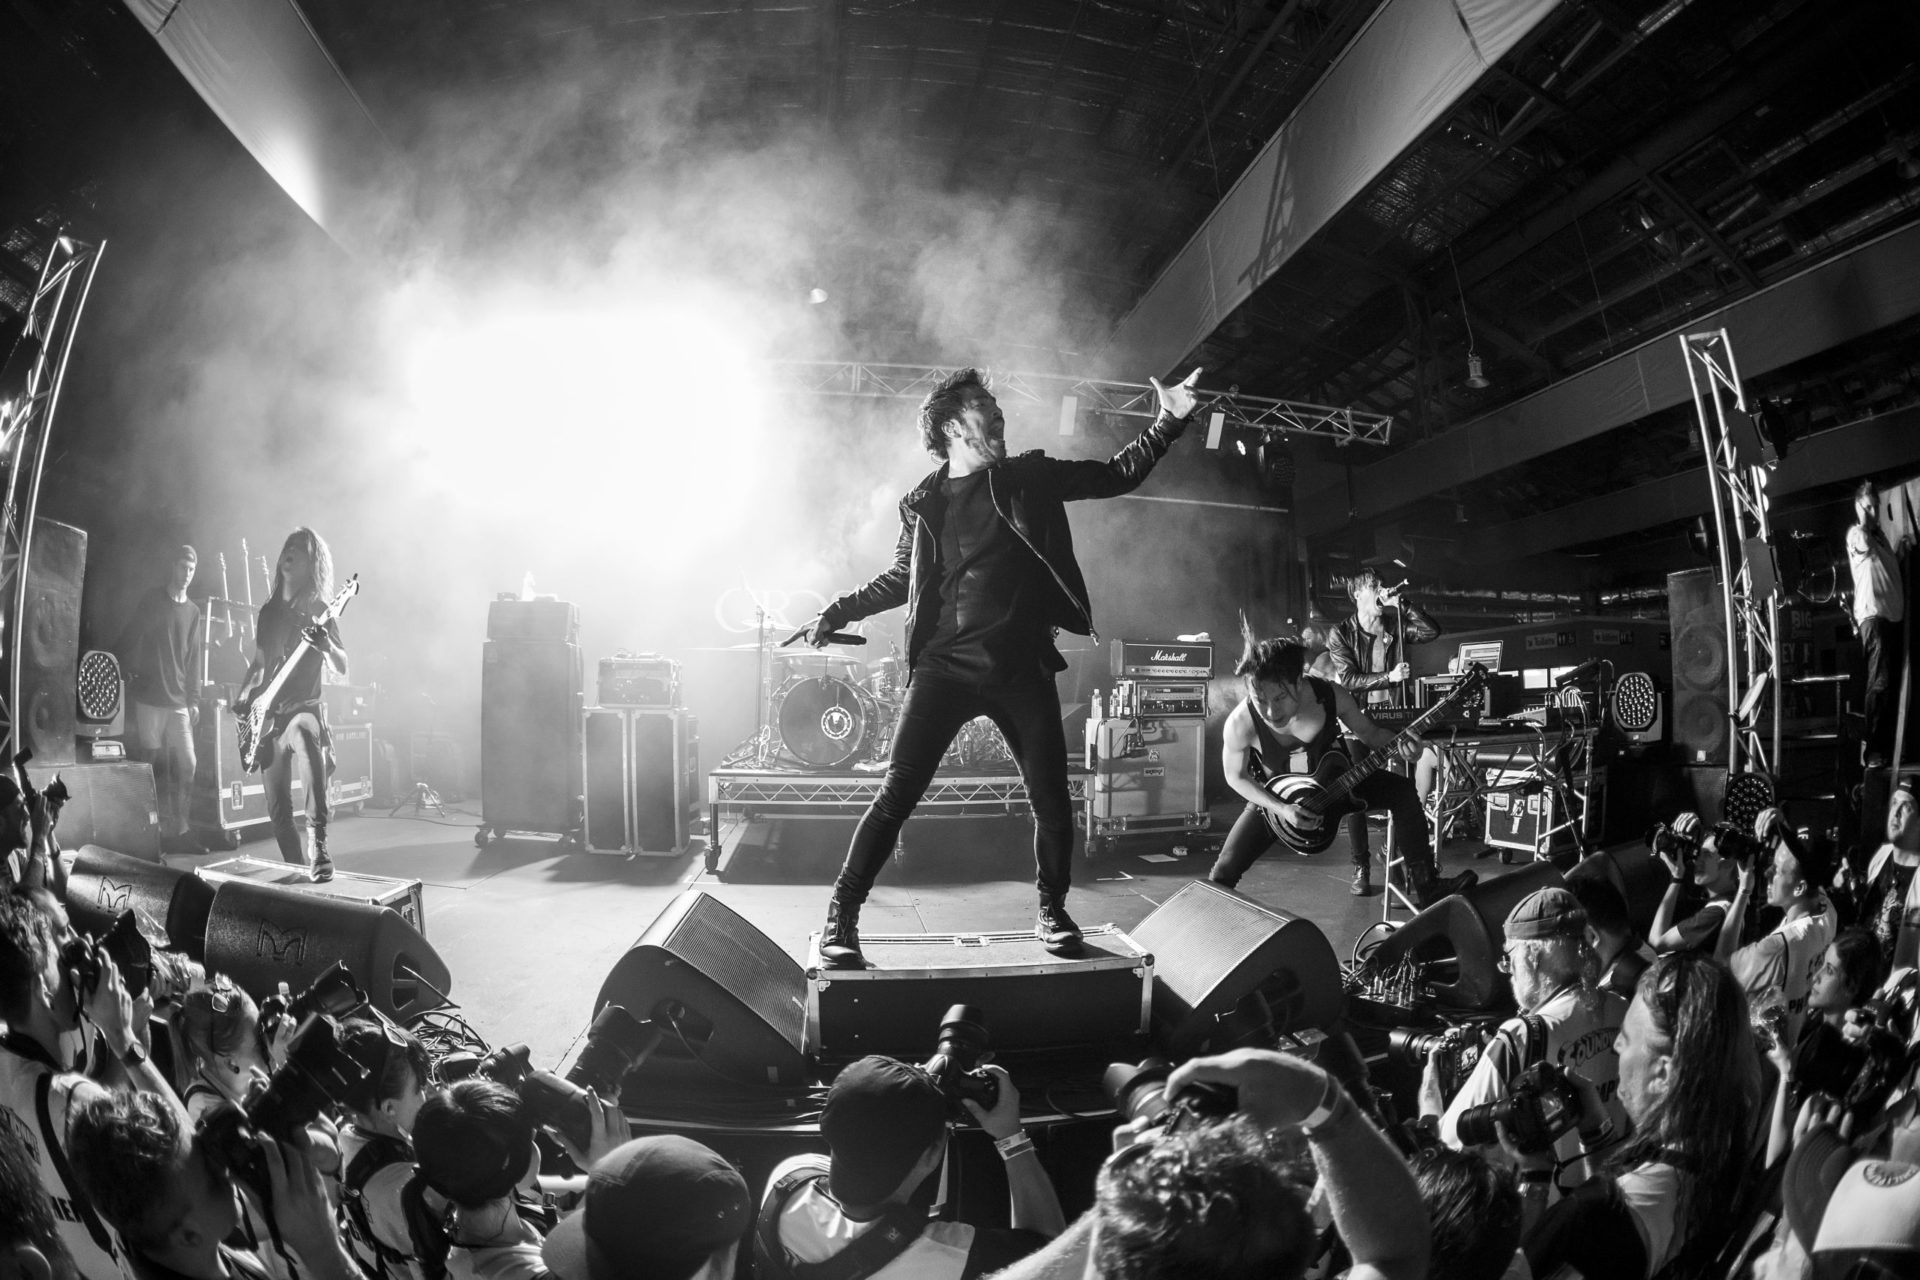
[
  {"x": 296, "y": 723},
  {"x": 1286, "y": 710}
]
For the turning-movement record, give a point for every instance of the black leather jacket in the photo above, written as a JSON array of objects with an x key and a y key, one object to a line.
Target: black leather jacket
[
  {"x": 1352, "y": 649},
  {"x": 1030, "y": 491}
]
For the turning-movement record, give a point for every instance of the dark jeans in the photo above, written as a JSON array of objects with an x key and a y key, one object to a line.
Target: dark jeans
[
  {"x": 1885, "y": 643},
  {"x": 935, "y": 710},
  {"x": 1251, "y": 836},
  {"x": 303, "y": 739}
]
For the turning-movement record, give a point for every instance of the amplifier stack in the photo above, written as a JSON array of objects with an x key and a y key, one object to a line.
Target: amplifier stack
[{"x": 1146, "y": 747}]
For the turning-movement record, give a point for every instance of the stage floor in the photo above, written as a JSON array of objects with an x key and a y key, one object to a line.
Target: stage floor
[{"x": 529, "y": 932}]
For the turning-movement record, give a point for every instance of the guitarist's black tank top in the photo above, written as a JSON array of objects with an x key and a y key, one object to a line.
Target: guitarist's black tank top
[{"x": 1267, "y": 757}]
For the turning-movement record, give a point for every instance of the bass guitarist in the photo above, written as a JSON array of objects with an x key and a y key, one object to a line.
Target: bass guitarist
[
  {"x": 1285, "y": 711},
  {"x": 296, "y": 727}
]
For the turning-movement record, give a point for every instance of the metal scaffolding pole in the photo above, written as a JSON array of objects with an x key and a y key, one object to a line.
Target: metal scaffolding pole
[
  {"x": 1749, "y": 585},
  {"x": 26, "y": 421}
]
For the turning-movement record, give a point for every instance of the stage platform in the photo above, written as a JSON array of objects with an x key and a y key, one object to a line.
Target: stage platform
[{"x": 530, "y": 929}]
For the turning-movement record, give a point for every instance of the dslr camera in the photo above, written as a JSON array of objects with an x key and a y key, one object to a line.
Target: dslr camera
[
  {"x": 955, "y": 1064},
  {"x": 333, "y": 994},
  {"x": 616, "y": 1042},
  {"x": 1671, "y": 841},
  {"x": 1460, "y": 1047},
  {"x": 318, "y": 1075},
  {"x": 1541, "y": 1104},
  {"x": 1139, "y": 1092},
  {"x": 85, "y": 957}
]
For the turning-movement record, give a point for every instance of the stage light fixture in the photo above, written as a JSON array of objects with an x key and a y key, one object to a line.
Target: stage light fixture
[{"x": 1476, "y": 373}]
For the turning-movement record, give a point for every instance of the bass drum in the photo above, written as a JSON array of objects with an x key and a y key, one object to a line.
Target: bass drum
[{"x": 824, "y": 721}]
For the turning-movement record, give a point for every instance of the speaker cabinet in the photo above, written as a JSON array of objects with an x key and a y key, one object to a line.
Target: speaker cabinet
[
  {"x": 1697, "y": 615},
  {"x": 1641, "y": 878},
  {"x": 264, "y": 935},
  {"x": 642, "y": 772},
  {"x": 530, "y": 724},
  {"x": 1459, "y": 939},
  {"x": 50, "y": 641},
  {"x": 733, "y": 1004},
  {"x": 1212, "y": 948},
  {"x": 1153, "y": 782},
  {"x": 102, "y": 883},
  {"x": 113, "y": 804}
]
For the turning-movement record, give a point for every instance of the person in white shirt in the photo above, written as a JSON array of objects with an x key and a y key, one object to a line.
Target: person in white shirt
[
  {"x": 1565, "y": 1019},
  {"x": 1879, "y": 614},
  {"x": 1777, "y": 969}
]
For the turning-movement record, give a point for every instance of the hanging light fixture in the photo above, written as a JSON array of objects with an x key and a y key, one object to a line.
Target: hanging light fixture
[{"x": 1476, "y": 372}]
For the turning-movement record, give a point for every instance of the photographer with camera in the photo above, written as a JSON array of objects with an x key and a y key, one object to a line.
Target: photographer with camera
[
  {"x": 376, "y": 1148},
  {"x": 474, "y": 1144},
  {"x": 29, "y": 854},
  {"x": 172, "y": 1196},
  {"x": 1220, "y": 1198},
  {"x": 1699, "y": 861},
  {"x": 1623, "y": 954},
  {"x": 60, "y": 998},
  {"x": 865, "y": 1207},
  {"x": 1690, "y": 1083},
  {"x": 1778, "y": 969},
  {"x": 1566, "y": 1023},
  {"x": 1473, "y": 1211},
  {"x": 30, "y": 1243}
]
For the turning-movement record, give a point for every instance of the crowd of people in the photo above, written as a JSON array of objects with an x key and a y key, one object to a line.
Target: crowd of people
[{"x": 1731, "y": 1097}]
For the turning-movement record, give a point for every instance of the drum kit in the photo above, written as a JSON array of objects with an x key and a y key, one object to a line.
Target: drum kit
[{"x": 822, "y": 711}]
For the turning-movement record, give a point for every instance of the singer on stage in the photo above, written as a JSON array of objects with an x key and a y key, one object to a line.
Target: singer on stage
[{"x": 985, "y": 566}]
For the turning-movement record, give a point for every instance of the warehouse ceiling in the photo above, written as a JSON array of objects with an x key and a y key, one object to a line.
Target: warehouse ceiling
[{"x": 1631, "y": 166}]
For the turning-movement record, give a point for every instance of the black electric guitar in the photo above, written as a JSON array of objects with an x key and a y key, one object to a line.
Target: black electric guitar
[
  {"x": 1328, "y": 791},
  {"x": 258, "y": 727}
]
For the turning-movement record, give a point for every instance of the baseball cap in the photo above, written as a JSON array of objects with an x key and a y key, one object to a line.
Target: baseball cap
[
  {"x": 881, "y": 1116},
  {"x": 1845, "y": 1210},
  {"x": 656, "y": 1208},
  {"x": 1546, "y": 913}
]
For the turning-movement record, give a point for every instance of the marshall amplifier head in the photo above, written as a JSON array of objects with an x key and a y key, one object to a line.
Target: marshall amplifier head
[
  {"x": 639, "y": 680},
  {"x": 1162, "y": 659}
]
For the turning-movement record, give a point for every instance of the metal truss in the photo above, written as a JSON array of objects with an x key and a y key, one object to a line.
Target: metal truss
[
  {"x": 1752, "y": 617},
  {"x": 1127, "y": 399},
  {"x": 742, "y": 792},
  {"x": 26, "y": 422}
]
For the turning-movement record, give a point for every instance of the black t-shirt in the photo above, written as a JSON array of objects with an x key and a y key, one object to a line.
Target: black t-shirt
[
  {"x": 1886, "y": 905},
  {"x": 989, "y": 596},
  {"x": 277, "y": 633},
  {"x": 156, "y": 649}
]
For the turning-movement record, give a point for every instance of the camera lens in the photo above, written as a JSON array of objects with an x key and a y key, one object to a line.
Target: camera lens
[{"x": 615, "y": 1043}]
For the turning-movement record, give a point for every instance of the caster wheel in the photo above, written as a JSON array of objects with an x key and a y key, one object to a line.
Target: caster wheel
[
  {"x": 480, "y": 838},
  {"x": 1506, "y": 857}
]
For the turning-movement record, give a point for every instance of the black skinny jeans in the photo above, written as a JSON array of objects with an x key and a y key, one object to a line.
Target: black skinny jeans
[
  {"x": 1885, "y": 643},
  {"x": 936, "y": 708},
  {"x": 302, "y": 740},
  {"x": 1251, "y": 836}
]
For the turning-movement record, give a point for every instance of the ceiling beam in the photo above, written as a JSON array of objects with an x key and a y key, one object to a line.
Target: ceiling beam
[
  {"x": 1848, "y": 296},
  {"x": 1410, "y": 64},
  {"x": 1880, "y": 443}
]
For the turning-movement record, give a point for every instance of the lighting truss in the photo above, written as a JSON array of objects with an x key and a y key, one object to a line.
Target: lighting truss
[
  {"x": 26, "y": 421},
  {"x": 1741, "y": 531},
  {"x": 1126, "y": 399},
  {"x": 743, "y": 793}
]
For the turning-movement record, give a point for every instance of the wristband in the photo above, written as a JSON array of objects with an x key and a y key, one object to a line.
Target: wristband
[
  {"x": 1328, "y": 1109},
  {"x": 1014, "y": 1144},
  {"x": 1594, "y": 1137},
  {"x": 134, "y": 1056},
  {"x": 1535, "y": 1179}
]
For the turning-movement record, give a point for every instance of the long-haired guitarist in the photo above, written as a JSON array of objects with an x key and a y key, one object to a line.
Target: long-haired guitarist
[
  {"x": 1286, "y": 710},
  {"x": 296, "y": 726}
]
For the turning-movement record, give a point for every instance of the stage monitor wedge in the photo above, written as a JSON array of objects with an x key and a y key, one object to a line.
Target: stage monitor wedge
[
  {"x": 1461, "y": 938},
  {"x": 1211, "y": 948},
  {"x": 733, "y": 1003}
]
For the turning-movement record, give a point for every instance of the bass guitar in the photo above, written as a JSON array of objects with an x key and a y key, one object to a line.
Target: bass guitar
[
  {"x": 258, "y": 716},
  {"x": 1327, "y": 792}
]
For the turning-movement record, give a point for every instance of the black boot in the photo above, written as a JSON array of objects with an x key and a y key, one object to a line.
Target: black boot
[
  {"x": 1430, "y": 887},
  {"x": 322, "y": 864},
  {"x": 1055, "y": 928},
  {"x": 1362, "y": 880},
  {"x": 840, "y": 939}
]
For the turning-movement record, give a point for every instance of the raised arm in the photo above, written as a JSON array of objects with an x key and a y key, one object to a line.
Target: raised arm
[{"x": 1073, "y": 481}]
